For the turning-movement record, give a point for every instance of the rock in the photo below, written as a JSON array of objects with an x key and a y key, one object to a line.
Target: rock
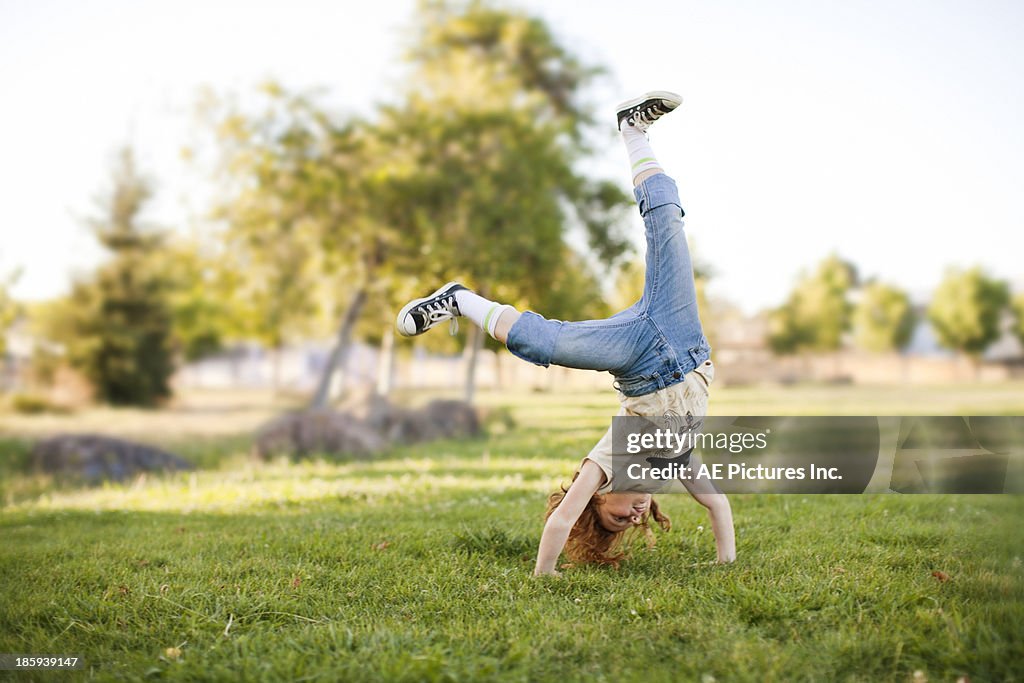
[
  {"x": 96, "y": 458},
  {"x": 453, "y": 418},
  {"x": 364, "y": 429},
  {"x": 437, "y": 420},
  {"x": 310, "y": 432}
]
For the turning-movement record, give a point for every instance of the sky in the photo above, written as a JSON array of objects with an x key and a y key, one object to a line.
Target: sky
[{"x": 888, "y": 132}]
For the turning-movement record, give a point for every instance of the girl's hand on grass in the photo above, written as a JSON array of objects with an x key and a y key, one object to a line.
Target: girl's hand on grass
[{"x": 553, "y": 572}]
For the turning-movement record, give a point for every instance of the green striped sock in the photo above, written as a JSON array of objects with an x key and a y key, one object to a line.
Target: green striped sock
[{"x": 641, "y": 156}]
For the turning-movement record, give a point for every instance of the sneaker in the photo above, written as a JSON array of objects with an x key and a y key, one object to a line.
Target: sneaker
[
  {"x": 642, "y": 111},
  {"x": 419, "y": 315}
]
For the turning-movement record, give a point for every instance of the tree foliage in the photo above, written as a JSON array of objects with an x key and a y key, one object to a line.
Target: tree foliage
[
  {"x": 202, "y": 295},
  {"x": 120, "y": 322},
  {"x": 9, "y": 309},
  {"x": 471, "y": 172},
  {"x": 273, "y": 195},
  {"x": 883, "y": 319},
  {"x": 966, "y": 308},
  {"x": 302, "y": 241},
  {"x": 817, "y": 312},
  {"x": 485, "y": 149},
  {"x": 1017, "y": 308}
]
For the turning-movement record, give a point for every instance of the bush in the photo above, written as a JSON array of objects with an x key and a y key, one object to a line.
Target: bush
[{"x": 32, "y": 404}]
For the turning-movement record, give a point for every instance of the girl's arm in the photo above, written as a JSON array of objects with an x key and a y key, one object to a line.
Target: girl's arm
[
  {"x": 705, "y": 493},
  {"x": 561, "y": 521}
]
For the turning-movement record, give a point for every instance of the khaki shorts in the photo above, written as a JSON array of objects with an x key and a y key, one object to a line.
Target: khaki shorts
[{"x": 689, "y": 398}]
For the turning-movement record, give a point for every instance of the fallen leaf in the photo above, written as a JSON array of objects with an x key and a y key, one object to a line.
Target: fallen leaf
[
  {"x": 296, "y": 582},
  {"x": 124, "y": 590},
  {"x": 941, "y": 576},
  {"x": 382, "y": 545}
]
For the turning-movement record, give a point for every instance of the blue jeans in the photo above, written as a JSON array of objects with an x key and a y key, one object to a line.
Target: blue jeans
[{"x": 652, "y": 344}]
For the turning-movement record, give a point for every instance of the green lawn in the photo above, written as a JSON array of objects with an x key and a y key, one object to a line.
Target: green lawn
[{"x": 416, "y": 567}]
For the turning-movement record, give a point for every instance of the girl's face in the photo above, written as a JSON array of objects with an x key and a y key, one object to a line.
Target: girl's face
[{"x": 622, "y": 510}]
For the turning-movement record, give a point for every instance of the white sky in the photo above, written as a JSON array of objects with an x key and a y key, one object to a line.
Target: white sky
[{"x": 889, "y": 131}]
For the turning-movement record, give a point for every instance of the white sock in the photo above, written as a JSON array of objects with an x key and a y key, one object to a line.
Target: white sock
[
  {"x": 641, "y": 156},
  {"x": 483, "y": 312}
]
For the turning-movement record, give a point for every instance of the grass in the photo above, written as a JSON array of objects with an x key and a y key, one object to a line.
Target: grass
[{"x": 416, "y": 566}]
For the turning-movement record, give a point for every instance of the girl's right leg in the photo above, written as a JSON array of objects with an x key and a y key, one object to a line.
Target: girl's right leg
[{"x": 669, "y": 271}]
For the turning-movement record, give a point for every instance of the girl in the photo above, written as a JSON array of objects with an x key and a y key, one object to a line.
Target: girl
[{"x": 655, "y": 349}]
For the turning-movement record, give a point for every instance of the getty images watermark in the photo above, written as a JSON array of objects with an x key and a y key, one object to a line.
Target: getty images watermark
[
  {"x": 670, "y": 443},
  {"x": 820, "y": 454}
]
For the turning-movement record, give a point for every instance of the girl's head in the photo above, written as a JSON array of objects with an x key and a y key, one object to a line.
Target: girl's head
[{"x": 598, "y": 534}]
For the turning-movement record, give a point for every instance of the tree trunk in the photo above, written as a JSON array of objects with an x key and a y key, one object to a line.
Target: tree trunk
[
  {"x": 275, "y": 371},
  {"x": 386, "y": 363},
  {"x": 472, "y": 354},
  {"x": 342, "y": 346},
  {"x": 499, "y": 371}
]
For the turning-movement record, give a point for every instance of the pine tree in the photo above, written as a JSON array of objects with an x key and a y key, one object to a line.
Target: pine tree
[{"x": 122, "y": 324}]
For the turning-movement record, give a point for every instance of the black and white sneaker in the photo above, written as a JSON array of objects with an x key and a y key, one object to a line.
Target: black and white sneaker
[
  {"x": 419, "y": 315},
  {"x": 642, "y": 111}
]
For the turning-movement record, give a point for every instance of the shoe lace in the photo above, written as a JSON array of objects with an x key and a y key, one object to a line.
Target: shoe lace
[
  {"x": 643, "y": 118},
  {"x": 441, "y": 310}
]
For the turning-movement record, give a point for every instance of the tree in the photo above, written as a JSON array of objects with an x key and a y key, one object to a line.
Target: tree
[
  {"x": 52, "y": 327},
  {"x": 121, "y": 324},
  {"x": 295, "y": 214},
  {"x": 883, "y": 319},
  {"x": 965, "y": 310},
  {"x": 470, "y": 174},
  {"x": 9, "y": 309},
  {"x": 202, "y": 297},
  {"x": 1017, "y": 307},
  {"x": 817, "y": 312},
  {"x": 488, "y": 142},
  {"x": 575, "y": 291}
]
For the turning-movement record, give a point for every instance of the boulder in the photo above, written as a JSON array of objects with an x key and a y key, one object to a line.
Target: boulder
[
  {"x": 308, "y": 432},
  {"x": 96, "y": 458},
  {"x": 452, "y": 419},
  {"x": 440, "y": 419},
  {"x": 364, "y": 429}
]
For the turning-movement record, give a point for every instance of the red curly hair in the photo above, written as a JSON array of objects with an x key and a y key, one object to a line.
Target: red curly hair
[{"x": 590, "y": 542}]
